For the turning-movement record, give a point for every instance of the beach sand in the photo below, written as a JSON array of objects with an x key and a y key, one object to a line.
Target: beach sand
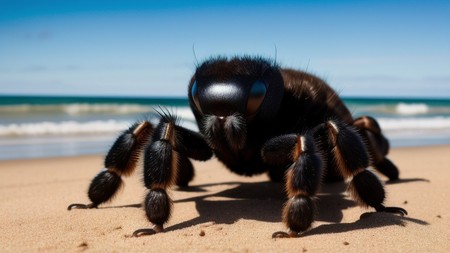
[{"x": 222, "y": 212}]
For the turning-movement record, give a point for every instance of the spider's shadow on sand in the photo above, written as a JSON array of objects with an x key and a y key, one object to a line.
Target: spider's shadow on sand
[{"x": 263, "y": 201}]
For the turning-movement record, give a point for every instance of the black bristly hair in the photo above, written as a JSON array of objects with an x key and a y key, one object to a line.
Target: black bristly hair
[
  {"x": 167, "y": 116},
  {"x": 239, "y": 66}
]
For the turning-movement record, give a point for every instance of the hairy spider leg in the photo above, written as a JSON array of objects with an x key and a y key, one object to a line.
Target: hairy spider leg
[
  {"x": 352, "y": 159},
  {"x": 120, "y": 160},
  {"x": 166, "y": 163},
  {"x": 303, "y": 177},
  {"x": 377, "y": 145},
  {"x": 191, "y": 145}
]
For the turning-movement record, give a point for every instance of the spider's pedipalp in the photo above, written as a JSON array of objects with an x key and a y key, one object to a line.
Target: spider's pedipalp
[
  {"x": 278, "y": 151},
  {"x": 192, "y": 144}
]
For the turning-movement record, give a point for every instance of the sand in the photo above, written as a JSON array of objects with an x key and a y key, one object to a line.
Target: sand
[{"x": 222, "y": 212}]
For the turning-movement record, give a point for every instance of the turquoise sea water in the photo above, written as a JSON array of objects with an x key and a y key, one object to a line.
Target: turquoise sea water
[{"x": 61, "y": 126}]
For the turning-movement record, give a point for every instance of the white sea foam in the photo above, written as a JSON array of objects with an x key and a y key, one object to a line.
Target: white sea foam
[
  {"x": 90, "y": 127},
  {"x": 425, "y": 123},
  {"x": 184, "y": 113},
  {"x": 411, "y": 109},
  {"x": 63, "y": 128},
  {"x": 187, "y": 120},
  {"x": 74, "y": 109},
  {"x": 401, "y": 109},
  {"x": 77, "y": 108}
]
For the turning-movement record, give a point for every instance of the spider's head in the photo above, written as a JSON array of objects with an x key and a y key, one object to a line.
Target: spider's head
[{"x": 228, "y": 94}]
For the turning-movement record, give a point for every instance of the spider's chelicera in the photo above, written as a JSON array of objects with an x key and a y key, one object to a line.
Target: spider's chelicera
[{"x": 255, "y": 117}]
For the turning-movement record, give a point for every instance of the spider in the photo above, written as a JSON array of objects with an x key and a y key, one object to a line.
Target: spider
[{"x": 255, "y": 117}]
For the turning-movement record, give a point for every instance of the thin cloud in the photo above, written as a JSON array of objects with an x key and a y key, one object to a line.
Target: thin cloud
[
  {"x": 41, "y": 35},
  {"x": 45, "y": 35}
]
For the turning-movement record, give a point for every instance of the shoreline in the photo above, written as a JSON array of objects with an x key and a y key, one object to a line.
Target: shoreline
[
  {"x": 107, "y": 143},
  {"x": 42, "y": 147},
  {"x": 221, "y": 212}
]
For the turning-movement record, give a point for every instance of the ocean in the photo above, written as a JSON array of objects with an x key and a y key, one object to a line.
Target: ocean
[{"x": 35, "y": 126}]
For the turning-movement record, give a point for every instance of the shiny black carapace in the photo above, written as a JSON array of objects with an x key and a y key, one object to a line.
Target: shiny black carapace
[{"x": 255, "y": 117}]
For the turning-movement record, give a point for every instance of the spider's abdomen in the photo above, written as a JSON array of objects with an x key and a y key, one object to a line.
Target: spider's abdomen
[{"x": 309, "y": 101}]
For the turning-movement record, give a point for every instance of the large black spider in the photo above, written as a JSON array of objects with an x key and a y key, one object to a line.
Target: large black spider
[{"x": 255, "y": 117}]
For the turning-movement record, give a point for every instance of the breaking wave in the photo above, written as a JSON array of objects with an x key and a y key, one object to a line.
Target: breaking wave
[
  {"x": 77, "y": 108},
  {"x": 63, "y": 128},
  {"x": 412, "y": 109},
  {"x": 398, "y": 124},
  {"x": 73, "y": 127},
  {"x": 114, "y": 126}
]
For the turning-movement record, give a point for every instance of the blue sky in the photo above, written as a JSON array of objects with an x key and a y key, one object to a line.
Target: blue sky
[{"x": 144, "y": 48}]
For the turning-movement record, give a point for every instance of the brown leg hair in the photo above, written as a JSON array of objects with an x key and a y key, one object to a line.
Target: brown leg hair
[
  {"x": 302, "y": 179},
  {"x": 352, "y": 160}
]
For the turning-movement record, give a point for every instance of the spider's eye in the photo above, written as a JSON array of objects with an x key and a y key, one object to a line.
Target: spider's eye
[
  {"x": 194, "y": 93},
  {"x": 256, "y": 97}
]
